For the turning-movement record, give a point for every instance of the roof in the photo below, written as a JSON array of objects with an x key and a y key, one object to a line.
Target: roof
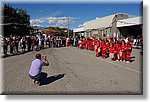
[
  {"x": 99, "y": 22},
  {"x": 130, "y": 21}
]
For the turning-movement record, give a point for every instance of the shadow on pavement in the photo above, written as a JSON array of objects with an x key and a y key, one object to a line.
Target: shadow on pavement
[
  {"x": 51, "y": 79},
  {"x": 132, "y": 57}
]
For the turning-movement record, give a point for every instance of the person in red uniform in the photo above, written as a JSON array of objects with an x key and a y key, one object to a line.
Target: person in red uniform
[
  {"x": 84, "y": 43},
  {"x": 111, "y": 41},
  {"x": 97, "y": 48},
  {"x": 111, "y": 51},
  {"x": 128, "y": 53},
  {"x": 90, "y": 44},
  {"x": 100, "y": 48},
  {"x": 123, "y": 50},
  {"x": 107, "y": 49},
  {"x": 94, "y": 44},
  {"x": 104, "y": 47},
  {"x": 118, "y": 48},
  {"x": 115, "y": 53}
]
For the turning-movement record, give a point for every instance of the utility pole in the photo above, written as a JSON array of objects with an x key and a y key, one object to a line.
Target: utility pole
[{"x": 68, "y": 26}]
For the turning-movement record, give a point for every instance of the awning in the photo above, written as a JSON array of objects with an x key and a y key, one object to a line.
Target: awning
[{"x": 130, "y": 22}]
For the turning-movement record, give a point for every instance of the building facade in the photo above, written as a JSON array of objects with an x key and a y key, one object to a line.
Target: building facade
[{"x": 104, "y": 26}]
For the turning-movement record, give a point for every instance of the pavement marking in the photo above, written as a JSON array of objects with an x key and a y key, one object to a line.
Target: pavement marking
[{"x": 111, "y": 62}]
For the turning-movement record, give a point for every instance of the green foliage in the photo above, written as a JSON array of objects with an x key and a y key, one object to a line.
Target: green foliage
[{"x": 16, "y": 21}]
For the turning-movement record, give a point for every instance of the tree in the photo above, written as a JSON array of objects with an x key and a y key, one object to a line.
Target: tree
[{"x": 16, "y": 21}]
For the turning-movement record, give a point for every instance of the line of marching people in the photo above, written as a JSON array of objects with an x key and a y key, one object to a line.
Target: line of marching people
[{"x": 116, "y": 50}]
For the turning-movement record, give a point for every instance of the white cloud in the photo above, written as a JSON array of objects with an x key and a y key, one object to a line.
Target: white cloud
[
  {"x": 61, "y": 21},
  {"x": 57, "y": 21},
  {"x": 52, "y": 20},
  {"x": 36, "y": 22}
]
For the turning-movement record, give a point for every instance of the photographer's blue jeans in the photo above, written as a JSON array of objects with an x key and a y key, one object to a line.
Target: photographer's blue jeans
[{"x": 39, "y": 77}]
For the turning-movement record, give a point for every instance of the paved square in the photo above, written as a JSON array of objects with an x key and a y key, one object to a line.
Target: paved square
[{"x": 84, "y": 73}]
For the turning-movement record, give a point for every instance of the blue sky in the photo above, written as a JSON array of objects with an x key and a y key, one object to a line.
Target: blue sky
[{"x": 57, "y": 14}]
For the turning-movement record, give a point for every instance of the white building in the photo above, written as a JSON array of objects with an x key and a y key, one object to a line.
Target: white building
[
  {"x": 79, "y": 30},
  {"x": 102, "y": 27},
  {"x": 116, "y": 25}
]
